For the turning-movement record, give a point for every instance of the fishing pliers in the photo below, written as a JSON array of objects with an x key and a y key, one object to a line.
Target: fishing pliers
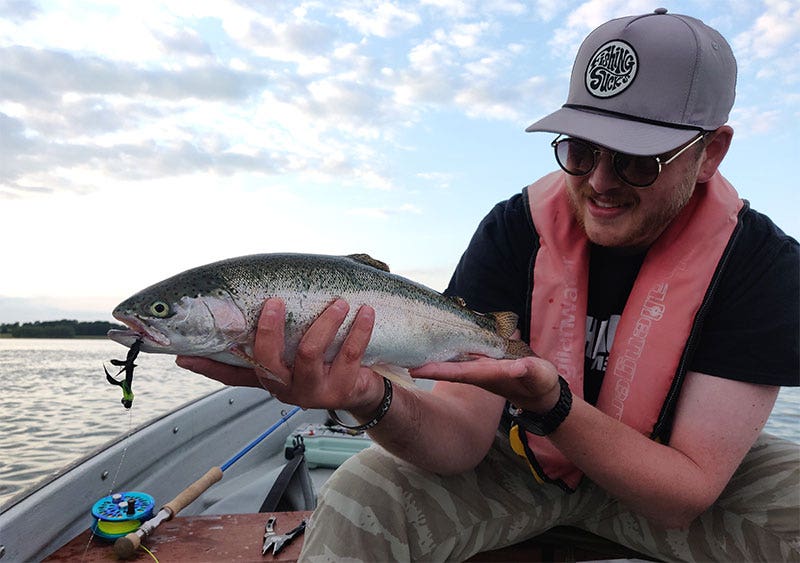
[
  {"x": 278, "y": 541},
  {"x": 269, "y": 535}
]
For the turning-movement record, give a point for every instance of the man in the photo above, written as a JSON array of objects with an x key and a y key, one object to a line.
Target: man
[{"x": 665, "y": 315}]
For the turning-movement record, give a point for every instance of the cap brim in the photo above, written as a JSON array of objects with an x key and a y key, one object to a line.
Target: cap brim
[{"x": 615, "y": 133}]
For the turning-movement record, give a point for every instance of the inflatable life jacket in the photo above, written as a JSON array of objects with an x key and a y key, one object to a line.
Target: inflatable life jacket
[{"x": 661, "y": 318}]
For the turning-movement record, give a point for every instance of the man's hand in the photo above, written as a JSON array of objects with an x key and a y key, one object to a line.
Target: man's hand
[
  {"x": 529, "y": 383},
  {"x": 309, "y": 381},
  {"x": 438, "y": 430}
]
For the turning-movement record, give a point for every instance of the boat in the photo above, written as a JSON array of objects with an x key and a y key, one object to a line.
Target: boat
[{"x": 278, "y": 456}]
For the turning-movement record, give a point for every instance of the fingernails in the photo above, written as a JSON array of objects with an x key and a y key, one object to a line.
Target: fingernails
[
  {"x": 519, "y": 367},
  {"x": 367, "y": 313}
]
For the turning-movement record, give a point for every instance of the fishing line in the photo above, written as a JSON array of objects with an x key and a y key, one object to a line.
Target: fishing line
[
  {"x": 109, "y": 528},
  {"x": 150, "y": 553},
  {"x": 124, "y": 452}
]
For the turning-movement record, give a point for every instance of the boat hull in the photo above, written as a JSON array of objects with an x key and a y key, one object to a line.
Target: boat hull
[{"x": 161, "y": 458}]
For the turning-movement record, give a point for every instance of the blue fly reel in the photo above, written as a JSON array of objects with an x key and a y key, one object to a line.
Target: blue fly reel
[{"x": 119, "y": 514}]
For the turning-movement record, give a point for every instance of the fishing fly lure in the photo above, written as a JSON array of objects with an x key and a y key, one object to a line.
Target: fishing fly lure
[{"x": 127, "y": 366}]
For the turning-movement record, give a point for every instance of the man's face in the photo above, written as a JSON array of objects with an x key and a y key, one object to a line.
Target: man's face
[{"x": 615, "y": 214}]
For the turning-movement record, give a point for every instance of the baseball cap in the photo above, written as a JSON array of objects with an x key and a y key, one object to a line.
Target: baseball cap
[{"x": 647, "y": 84}]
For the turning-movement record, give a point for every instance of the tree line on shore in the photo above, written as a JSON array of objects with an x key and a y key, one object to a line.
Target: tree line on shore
[{"x": 65, "y": 328}]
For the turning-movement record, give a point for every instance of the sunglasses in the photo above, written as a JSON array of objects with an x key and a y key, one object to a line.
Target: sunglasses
[{"x": 578, "y": 158}]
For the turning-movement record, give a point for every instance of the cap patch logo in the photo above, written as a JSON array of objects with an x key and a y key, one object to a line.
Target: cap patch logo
[{"x": 611, "y": 69}]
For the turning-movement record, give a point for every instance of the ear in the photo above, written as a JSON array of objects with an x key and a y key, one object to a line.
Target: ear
[{"x": 717, "y": 145}]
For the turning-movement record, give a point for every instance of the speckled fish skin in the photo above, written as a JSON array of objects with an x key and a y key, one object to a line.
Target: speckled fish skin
[{"x": 214, "y": 309}]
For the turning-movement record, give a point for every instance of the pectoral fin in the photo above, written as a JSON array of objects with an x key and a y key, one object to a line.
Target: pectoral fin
[
  {"x": 395, "y": 374},
  {"x": 239, "y": 353}
]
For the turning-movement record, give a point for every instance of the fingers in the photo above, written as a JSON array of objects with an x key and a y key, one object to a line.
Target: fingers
[
  {"x": 310, "y": 353},
  {"x": 309, "y": 380},
  {"x": 481, "y": 371},
  {"x": 269, "y": 343},
  {"x": 527, "y": 382},
  {"x": 224, "y": 373},
  {"x": 306, "y": 380},
  {"x": 319, "y": 381},
  {"x": 355, "y": 344}
]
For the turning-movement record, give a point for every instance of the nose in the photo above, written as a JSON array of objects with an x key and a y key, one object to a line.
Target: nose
[{"x": 603, "y": 178}]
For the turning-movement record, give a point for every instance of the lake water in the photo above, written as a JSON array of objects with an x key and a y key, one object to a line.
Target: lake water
[{"x": 56, "y": 406}]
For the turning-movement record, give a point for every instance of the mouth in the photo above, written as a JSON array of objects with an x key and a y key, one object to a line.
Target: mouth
[
  {"x": 137, "y": 330},
  {"x": 603, "y": 206}
]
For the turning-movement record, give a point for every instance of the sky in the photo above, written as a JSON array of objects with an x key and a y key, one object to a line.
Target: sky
[{"x": 139, "y": 139}]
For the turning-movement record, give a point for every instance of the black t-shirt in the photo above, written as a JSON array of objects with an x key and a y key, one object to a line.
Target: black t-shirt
[{"x": 752, "y": 329}]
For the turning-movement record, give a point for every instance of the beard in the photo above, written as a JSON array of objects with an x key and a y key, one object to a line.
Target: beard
[{"x": 645, "y": 224}]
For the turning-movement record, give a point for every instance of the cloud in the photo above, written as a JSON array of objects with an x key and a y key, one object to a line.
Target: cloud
[
  {"x": 184, "y": 41},
  {"x": 264, "y": 88},
  {"x": 18, "y": 11},
  {"x": 382, "y": 19},
  {"x": 749, "y": 121},
  {"x": 130, "y": 122},
  {"x": 441, "y": 180},
  {"x": 44, "y": 74},
  {"x": 772, "y": 42},
  {"x": 773, "y": 32},
  {"x": 383, "y": 213},
  {"x": 455, "y": 9},
  {"x": 549, "y": 9},
  {"x": 306, "y": 44},
  {"x": 587, "y": 16}
]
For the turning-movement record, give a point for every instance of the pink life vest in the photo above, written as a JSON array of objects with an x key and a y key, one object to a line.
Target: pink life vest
[{"x": 658, "y": 318}]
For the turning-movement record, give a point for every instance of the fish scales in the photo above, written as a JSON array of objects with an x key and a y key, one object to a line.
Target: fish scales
[{"x": 213, "y": 311}]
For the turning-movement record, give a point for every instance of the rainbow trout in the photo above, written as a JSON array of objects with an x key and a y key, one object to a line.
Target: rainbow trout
[{"x": 212, "y": 311}]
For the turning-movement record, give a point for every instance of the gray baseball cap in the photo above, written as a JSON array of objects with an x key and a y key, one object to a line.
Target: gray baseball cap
[{"x": 647, "y": 84}]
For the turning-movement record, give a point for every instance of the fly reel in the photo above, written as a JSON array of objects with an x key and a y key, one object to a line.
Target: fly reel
[{"x": 119, "y": 514}]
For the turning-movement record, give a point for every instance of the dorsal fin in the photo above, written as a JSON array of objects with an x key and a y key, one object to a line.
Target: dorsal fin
[
  {"x": 505, "y": 323},
  {"x": 369, "y": 261}
]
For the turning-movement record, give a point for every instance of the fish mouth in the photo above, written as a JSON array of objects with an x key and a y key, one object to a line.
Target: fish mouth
[
  {"x": 137, "y": 331},
  {"x": 124, "y": 337}
]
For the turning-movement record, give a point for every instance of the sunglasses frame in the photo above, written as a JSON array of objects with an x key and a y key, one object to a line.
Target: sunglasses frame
[{"x": 597, "y": 151}]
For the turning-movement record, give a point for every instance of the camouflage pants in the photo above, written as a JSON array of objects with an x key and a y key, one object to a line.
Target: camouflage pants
[{"x": 378, "y": 508}]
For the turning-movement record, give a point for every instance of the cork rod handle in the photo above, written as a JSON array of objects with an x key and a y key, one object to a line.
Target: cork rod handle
[{"x": 190, "y": 493}]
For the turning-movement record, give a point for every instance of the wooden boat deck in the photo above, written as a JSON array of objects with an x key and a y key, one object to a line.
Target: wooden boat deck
[
  {"x": 238, "y": 537},
  {"x": 225, "y": 537}
]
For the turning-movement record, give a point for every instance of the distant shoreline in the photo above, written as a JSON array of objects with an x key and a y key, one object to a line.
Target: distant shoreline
[
  {"x": 64, "y": 328},
  {"x": 5, "y": 336}
]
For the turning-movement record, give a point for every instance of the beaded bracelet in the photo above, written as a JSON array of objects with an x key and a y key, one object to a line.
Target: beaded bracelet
[{"x": 386, "y": 402}]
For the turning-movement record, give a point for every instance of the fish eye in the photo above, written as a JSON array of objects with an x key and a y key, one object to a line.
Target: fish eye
[{"x": 159, "y": 309}]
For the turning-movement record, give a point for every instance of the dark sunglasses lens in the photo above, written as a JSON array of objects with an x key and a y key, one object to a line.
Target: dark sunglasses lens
[
  {"x": 575, "y": 157},
  {"x": 639, "y": 171}
]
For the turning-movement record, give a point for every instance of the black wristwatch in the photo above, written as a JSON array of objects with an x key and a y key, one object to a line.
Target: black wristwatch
[{"x": 544, "y": 424}]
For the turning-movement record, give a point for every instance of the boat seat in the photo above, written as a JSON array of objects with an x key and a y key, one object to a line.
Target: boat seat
[{"x": 293, "y": 489}]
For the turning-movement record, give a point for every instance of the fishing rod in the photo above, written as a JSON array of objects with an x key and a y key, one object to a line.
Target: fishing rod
[{"x": 125, "y": 547}]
